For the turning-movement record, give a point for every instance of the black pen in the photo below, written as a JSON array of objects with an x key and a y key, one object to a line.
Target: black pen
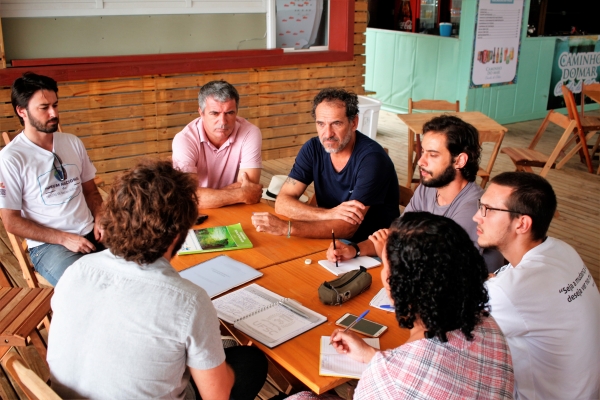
[{"x": 333, "y": 238}]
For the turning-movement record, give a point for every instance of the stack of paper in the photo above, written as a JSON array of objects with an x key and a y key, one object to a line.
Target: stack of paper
[{"x": 332, "y": 363}]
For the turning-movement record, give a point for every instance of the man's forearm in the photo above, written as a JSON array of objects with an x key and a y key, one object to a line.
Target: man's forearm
[
  {"x": 322, "y": 229},
  {"x": 295, "y": 209},
  {"x": 215, "y": 198},
  {"x": 26, "y": 228}
]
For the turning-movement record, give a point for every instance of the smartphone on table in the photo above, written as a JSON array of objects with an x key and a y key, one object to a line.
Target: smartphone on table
[{"x": 364, "y": 326}]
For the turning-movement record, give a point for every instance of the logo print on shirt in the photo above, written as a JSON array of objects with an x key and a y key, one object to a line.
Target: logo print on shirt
[{"x": 2, "y": 189}]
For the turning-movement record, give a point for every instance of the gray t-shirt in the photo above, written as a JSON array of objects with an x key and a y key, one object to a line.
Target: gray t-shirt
[
  {"x": 121, "y": 330},
  {"x": 461, "y": 210}
]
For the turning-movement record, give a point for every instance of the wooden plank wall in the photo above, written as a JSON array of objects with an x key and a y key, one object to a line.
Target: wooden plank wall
[{"x": 123, "y": 119}]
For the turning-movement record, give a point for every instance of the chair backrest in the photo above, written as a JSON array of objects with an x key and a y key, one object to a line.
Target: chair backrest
[
  {"x": 405, "y": 195},
  {"x": 4, "y": 278},
  {"x": 32, "y": 385},
  {"x": 495, "y": 137},
  {"x": 574, "y": 115},
  {"x": 433, "y": 105},
  {"x": 19, "y": 246}
]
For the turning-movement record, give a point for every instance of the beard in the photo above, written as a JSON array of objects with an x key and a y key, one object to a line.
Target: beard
[
  {"x": 342, "y": 144},
  {"x": 50, "y": 126},
  {"x": 442, "y": 180}
]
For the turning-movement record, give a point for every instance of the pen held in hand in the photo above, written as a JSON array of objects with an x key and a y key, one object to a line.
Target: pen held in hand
[
  {"x": 333, "y": 238},
  {"x": 356, "y": 321}
]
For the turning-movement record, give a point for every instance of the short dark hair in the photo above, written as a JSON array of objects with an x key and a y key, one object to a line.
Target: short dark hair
[
  {"x": 147, "y": 208},
  {"x": 461, "y": 137},
  {"x": 437, "y": 274},
  {"x": 221, "y": 91},
  {"x": 532, "y": 195},
  {"x": 24, "y": 88},
  {"x": 349, "y": 99}
]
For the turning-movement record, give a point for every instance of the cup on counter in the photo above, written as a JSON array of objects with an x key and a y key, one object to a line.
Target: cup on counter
[{"x": 445, "y": 29}]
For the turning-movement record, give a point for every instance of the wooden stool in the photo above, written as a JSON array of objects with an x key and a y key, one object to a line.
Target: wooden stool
[{"x": 21, "y": 311}]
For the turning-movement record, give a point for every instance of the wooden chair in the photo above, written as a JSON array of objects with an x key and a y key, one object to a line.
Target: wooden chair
[
  {"x": 34, "y": 387},
  {"x": 405, "y": 195},
  {"x": 429, "y": 105},
  {"x": 526, "y": 158},
  {"x": 587, "y": 127},
  {"x": 490, "y": 137}
]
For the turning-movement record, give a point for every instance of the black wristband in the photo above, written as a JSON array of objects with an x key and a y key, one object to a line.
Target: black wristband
[{"x": 355, "y": 248}]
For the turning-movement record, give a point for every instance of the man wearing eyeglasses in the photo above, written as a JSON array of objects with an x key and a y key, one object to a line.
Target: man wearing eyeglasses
[
  {"x": 47, "y": 189},
  {"x": 545, "y": 299}
]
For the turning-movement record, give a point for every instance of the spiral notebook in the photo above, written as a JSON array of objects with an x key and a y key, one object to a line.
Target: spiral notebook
[{"x": 265, "y": 316}]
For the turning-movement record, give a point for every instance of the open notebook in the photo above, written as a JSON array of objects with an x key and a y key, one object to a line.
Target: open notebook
[
  {"x": 332, "y": 363},
  {"x": 350, "y": 265},
  {"x": 265, "y": 316}
]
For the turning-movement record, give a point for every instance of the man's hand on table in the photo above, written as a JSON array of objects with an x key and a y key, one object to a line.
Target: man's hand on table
[
  {"x": 379, "y": 238},
  {"x": 342, "y": 252},
  {"x": 267, "y": 222},
  {"x": 349, "y": 211},
  {"x": 251, "y": 192}
]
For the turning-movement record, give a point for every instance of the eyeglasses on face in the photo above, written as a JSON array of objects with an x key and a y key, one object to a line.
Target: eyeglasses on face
[
  {"x": 483, "y": 209},
  {"x": 61, "y": 174}
]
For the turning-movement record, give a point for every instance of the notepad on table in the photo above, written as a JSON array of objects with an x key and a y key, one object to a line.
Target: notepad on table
[
  {"x": 266, "y": 316},
  {"x": 220, "y": 274},
  {"x": 332, "y": 363},
  {"x": 218, "y": 238},
  {"x": 350, "y": 265},
  {"x": 381, "y": 300}
]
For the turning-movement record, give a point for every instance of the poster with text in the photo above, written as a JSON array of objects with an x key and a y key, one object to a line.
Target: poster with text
[
  {"x": 497, "y": 40},
  {"x": 576, "y": 60}
]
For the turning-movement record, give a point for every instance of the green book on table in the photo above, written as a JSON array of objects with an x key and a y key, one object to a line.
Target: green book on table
[{"x": 218, "y": 238}]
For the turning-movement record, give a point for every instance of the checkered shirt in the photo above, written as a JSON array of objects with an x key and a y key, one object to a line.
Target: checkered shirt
[{"x": 430, "y": 369}]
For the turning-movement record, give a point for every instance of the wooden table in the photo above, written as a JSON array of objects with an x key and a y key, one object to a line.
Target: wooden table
[
  {"x": 300, "y": 355},
  {"x": 594, "y": 95},
  {"x": 268, "y": 249},
  {"x": 415, "y": 123}
]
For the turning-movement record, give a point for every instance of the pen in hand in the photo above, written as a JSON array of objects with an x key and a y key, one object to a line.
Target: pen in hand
[
  {"x": 333, "y": 238},
  {"x": 356, "y": 321}
]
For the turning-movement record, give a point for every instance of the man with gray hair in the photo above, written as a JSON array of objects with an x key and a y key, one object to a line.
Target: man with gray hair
[{"x": 222, "y": 150}]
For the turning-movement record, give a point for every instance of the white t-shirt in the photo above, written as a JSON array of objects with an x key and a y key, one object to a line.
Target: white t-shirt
[
  {"x": 548, "y": 307},
  {"x": 126, "y": 331},
  {"x": 28, "y": 182}
]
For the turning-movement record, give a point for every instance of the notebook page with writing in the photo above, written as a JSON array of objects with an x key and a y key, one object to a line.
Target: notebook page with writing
[
  {"x": 240, "y": 303},
  {"x": 332, "y": 363},
  {"x": 349, "y": 265}
]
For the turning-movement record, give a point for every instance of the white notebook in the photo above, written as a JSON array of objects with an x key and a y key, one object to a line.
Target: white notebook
[
  {"x": 220, "y": 274},
  {"x": 332, "y": 363},
  {"x": 381, "y": 300},
  {"x": 266, "y": 316},
  {"x": 350, "y": 265}
]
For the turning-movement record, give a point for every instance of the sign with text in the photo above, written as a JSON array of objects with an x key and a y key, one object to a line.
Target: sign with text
[
  {"x": 576, "y": 60},
  {"x": 497, "y": 40}
]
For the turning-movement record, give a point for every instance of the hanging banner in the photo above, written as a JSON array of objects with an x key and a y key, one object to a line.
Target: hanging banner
[
  {"x": 497, "y": 42},
  {"x": 576, "y": 60}
]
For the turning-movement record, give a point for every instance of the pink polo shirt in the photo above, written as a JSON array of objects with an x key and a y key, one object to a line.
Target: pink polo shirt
[{"x": 217, "y": 168}]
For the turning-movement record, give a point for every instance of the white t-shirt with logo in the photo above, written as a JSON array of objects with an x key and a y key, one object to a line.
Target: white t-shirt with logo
[
  {"x": 548, "y": 307},
  {"x": 29, "y": 182}
]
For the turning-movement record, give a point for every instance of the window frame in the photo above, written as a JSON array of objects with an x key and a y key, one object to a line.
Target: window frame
[{"x": 341, "y": 48}]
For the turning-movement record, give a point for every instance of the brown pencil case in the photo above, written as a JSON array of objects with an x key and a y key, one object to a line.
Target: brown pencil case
[{"x": 346, "y": 287}]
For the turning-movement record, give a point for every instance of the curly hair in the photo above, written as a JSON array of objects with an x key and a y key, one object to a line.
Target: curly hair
[
  {"x": 147, "y": 208},
  {"x": 24, "y": 87},
  {"x": 461, "y": 137},
  {"x": 532, "y": 195},
  {"x": 349, "y": 99},
  {"x": 436, "y": 274}
]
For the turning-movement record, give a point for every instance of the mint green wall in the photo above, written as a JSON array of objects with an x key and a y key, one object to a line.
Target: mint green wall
[{"x": 403, "y": 65}]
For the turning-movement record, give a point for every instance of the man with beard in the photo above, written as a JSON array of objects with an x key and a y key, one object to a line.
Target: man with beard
[
  {"x": 356, "y": 186},
  {"x": 47, "y": 189},
  {"x": 448, "y": 165}
]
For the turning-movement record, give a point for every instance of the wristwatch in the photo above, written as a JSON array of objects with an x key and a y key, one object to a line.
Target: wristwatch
[{"x": 355, "y": 248}]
